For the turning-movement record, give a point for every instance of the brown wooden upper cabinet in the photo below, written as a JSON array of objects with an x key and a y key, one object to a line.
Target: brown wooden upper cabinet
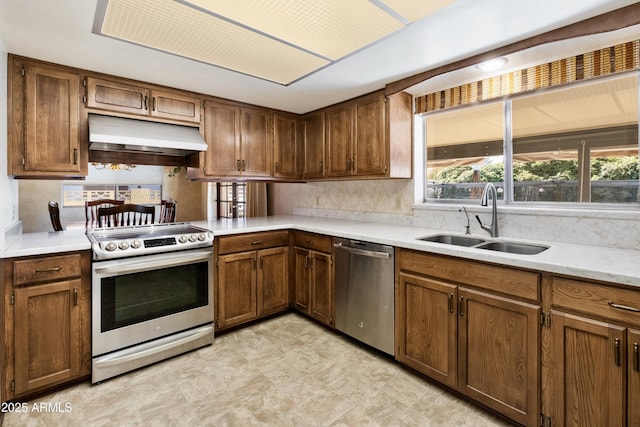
[
  {"x": 314, "y": 146},
  {"x": 287, "y": 145},
  {"x": 239, "y": 140},
  {"x": 370, "y": 136},
  {"x": 124, "y": 97},
  {"x": 44, "y": 121}
]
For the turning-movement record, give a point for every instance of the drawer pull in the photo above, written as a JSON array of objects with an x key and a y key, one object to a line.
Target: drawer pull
[
  {"x": 636, "y": 357},
  {"x": 309, "y": 242},
  {"x": 623, "y": 307},
  {"x": 48, "y": 270},
  {"x": 450, "y": 303},
  {"x": 257, "y": 242},
  {"x": 616, "y": 351},
  {"x": 75, "y": 296},
  {"x": 461, "y": 306}
]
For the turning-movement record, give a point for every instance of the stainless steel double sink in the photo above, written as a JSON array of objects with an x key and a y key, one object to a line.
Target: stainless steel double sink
[{"x": 491, "y": 245}]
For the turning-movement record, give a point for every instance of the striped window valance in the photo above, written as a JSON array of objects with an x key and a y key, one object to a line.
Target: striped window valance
[{"x": 622, "y": 57}]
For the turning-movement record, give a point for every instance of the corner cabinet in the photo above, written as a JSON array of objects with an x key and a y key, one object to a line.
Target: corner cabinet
[
  {"x": 46, "y": 136},
  {"x": 594, "y": 360},
  {"x": 471, "y": 326},
  {"x": 314, "y": 293},
  {"x": 47, "y": 322},
  {"x": 252, "y": 276},
  {"x": 287, "y": 145}
]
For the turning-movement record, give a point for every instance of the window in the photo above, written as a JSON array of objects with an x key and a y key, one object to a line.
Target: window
[
  {"x": 576, "y": 144},
  {"x": 231, "y": 199},
  {"x": 77, "y": 194}
]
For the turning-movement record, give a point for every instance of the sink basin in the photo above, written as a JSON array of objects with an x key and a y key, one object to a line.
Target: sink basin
[
  {"x": 452, "y": 239},
  {"x": 513, "y": 248}
]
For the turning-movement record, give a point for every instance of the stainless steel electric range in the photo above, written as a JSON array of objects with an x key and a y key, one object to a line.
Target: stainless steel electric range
[{"x": 152, "y": 295}]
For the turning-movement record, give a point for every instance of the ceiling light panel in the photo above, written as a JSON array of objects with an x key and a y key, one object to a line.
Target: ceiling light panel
[
  {"x": 413, "y": 10},
  {"x": 329, "y": 28},
  {"x": 172, "y": 27}
]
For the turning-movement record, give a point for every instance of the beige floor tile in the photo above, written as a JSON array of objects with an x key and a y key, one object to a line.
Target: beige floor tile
[{"x": 287, "y": 371}]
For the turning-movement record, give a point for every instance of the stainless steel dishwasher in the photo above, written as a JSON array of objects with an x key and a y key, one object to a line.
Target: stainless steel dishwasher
[{"x": 364, "y": 287}]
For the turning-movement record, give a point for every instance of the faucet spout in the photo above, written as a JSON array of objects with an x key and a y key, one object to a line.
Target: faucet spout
[
  {"x": 490, "y": 191},
  {"x": 468, "y": 226}
]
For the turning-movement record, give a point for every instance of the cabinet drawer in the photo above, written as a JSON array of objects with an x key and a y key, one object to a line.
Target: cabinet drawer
[
  {"x": 46, "y": 269},
  {"x": 505, "y": 280},
  {"x": 317, "y": 242},
  {"x": 252, "y": 241},
  {"x": 610, "y": 302}
]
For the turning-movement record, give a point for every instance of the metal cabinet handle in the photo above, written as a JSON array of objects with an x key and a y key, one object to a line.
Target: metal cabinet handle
[
  {"x": 153, "y": 103},
  {"x": 75, "y": 296},
  {"x": 309, "y": 241},
  {"x": 145, "y": 103},
  {"x": 238, "y": 165},
  {"x": 261, "y": 262},
  {"x": 257, "y": 242},
  {"x": 75, "y": 156},
  {"x": 461, "y": 306},
  {"x": 636, "y": 357},
  {"x": 48, "y": 270},
  {"x": 623, "y": 307},
  {"x": 450, "y": 303},
  {"x": 244, "y": 163},
  {"x": 353, "y": 164},
  {"x": 349, "y": 164},
  {"x": 616, "y": 351}
]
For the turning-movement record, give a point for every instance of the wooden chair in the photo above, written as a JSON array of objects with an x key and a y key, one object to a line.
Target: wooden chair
[
  {"x": 54, "y": 214},
  {"x": 126, "y": 214},
  {"x": 167, "y": 211},
  {"x": 91, "y": 210}
]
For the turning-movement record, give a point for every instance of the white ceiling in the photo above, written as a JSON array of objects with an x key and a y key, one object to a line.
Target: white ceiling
[{"x": 60, "y": 31}]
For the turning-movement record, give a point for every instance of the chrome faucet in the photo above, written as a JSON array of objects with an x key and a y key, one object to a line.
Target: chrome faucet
[
  {"x": 490, "y": 190},
  {"x": 468, "y": 226}
]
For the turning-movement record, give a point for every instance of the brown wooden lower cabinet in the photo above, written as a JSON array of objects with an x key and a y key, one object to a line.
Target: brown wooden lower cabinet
[
  {"x": 47, "y": 322},
  {"x": 633, "y": 377},
  {"x": 484, "y": 345},
  {"x": 251, "y": 283}
]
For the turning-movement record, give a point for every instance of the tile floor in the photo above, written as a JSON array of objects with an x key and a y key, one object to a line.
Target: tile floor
[{"x": 287, "y": 371}]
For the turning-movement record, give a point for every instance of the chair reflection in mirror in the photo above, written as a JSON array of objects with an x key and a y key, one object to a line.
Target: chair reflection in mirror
[{"x": 125, "y": 215}]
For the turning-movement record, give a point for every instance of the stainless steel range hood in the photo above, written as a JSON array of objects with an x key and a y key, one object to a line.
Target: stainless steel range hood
[{"x": 117, "y": 134}]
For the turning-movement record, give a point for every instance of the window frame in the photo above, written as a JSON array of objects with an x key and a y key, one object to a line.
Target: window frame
[{"x": 421, "y": 149}]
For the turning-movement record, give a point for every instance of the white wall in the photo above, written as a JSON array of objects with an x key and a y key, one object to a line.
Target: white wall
[{"x": 8, "y": 186}]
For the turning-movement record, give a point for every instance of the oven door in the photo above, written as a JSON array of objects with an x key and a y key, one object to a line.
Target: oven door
[{"x": 139, "y": 299}]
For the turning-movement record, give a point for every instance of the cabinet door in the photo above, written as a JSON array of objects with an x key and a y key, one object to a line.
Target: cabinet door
[
  {"x": 117, "y": 97},
  {"x": 286, "y": 146},
  {"x": 339, "y": 140},
  {"x": 302, "y": 260},
  {"x": 47, "y": 334},
  {"x": 588, "y": 372},
  {"x": 255, "y": 142},
  {"x": 498, "y": 353},
  {"x": 314, "y": 145},
  {"x": 321, "y": 288},
  {"x": 222, "y": 134},
  {"x": 236, "y": 288},
  {"x": 273, "y": 280},
  {"x": 371, "y": 144},
  {"x": 633, "y": 378},
  {"x": 175, "y": 106},
  {"x": 51, "y": 129},
  {"x": 426, "y": 327}
]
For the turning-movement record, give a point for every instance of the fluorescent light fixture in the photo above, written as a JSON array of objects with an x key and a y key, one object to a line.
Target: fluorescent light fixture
[
  {"x": 492, "y": 64},
  {"x": 281, "y": 41}
]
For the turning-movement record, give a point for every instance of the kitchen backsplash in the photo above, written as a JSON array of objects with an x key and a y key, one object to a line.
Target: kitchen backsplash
[{"x": 392, "y": 202}]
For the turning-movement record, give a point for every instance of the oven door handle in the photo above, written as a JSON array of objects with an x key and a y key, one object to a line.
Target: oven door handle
[{"x": 137, "y": 266}]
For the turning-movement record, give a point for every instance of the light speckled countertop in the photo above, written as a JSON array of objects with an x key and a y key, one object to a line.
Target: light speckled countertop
[{"x": 590, "y": 262}]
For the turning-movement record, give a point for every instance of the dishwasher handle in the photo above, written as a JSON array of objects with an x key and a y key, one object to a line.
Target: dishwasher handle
[{"x": 363, "y": 252}]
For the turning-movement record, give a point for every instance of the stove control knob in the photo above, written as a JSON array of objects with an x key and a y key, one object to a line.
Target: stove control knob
[
  {"x": 136, "y": 244},
  {"x": 110, "y": 247},
  {"x": 124, "y": 245},
  {"x": 182, "y": 239},
  {"x": 201, "y": 237},
  {"x": 192, "y": 238}
]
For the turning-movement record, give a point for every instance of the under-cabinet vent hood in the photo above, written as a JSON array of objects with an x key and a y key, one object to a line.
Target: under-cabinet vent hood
[{"x": 117, "y": 134}]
